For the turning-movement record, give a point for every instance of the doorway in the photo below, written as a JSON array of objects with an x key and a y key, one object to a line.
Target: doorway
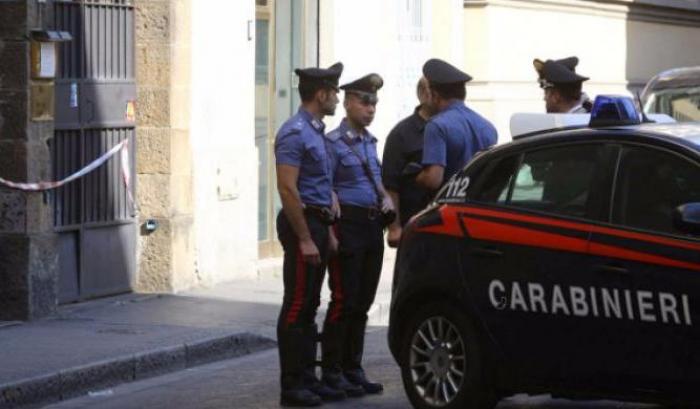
[
  {"x": 279, "y": 48},
  {"x": 95, "y": 94}
]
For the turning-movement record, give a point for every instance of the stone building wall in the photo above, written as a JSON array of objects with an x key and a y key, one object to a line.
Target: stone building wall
[{"x": 164, "y": 159}]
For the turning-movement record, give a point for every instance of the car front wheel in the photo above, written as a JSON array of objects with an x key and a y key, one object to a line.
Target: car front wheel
[{"x": 442, "y": 366}]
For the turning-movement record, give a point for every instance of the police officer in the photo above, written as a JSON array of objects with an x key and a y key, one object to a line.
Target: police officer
[
  {"x": 365, "y": 209},
  {"x": 456, "y": 132},
  {"x": 303, "y": 226},
  {"x": 403, "y": 154},
  {"x": 562, "y": 86}
]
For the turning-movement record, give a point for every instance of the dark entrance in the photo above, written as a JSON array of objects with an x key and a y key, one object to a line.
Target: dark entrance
[{"x": 95, "y": 96}]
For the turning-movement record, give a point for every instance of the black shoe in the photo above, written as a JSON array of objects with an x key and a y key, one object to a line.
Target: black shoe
[
  {"x": 358, "y": 377},
  {"x": 299, "y": 398},
  {"x": 324, "y": 391},
  {"x": 336, "y": 380}
]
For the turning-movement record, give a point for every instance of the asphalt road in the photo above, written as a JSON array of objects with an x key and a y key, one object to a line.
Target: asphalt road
[{"x": 252, "y": 382}]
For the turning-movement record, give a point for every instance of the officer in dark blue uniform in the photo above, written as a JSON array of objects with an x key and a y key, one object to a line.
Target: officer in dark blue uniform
[
  {"x": 304, "y": 184},
  {"x": 455, "y": 133},
  {"x": 365, "y": 210},
  {"x": 562, "y": 86}
]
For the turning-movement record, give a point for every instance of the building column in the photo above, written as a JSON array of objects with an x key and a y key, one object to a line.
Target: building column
[
  {"x": 28, "y": 251},
  {"x": 164, "y": 162}
]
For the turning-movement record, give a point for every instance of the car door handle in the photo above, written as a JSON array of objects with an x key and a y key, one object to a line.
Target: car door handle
[
  {"x": 612, "y": 268},
  {"x": 487, "y": 252}
]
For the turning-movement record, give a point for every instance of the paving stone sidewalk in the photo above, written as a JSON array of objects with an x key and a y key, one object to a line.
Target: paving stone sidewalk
[{"x": 88, "y": 347}]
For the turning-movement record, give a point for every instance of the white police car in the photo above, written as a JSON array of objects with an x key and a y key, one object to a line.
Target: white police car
[{"x": 565, "y": 262}]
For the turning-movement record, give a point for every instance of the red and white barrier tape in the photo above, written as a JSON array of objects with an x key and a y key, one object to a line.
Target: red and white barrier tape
[
  {"x": 122, "y": 146},
  {"x": 126, "y": 173}
]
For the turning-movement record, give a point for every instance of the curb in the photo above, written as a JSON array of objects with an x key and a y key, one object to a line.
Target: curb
[{"x": 73, "y": 382}]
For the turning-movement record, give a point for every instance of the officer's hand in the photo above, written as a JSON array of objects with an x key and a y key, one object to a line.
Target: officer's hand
[
  {"x": 332, "y": 244},
  {"x": 335, "y": 205},
  {"x": 387, "y": 204},
  {"x": 394, "y": 236},
  {"x": 309, "y": 252}
]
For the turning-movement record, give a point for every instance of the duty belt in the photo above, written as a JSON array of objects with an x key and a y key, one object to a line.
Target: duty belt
[
  {"x": 325, "y": 214},
  {"x": 359, "y": 213}
]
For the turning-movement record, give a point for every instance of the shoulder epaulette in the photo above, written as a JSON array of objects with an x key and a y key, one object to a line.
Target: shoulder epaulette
[
  {"x": 298, "y": 126},
  {"x": 293, "y": 128},
  {"x": 333, "y": 135}
]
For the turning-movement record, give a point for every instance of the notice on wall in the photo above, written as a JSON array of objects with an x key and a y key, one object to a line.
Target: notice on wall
[
  {"x": 130, "y": 114},
  {"x": 47, "y": 60},
  {"x": 73, "y": 103}
]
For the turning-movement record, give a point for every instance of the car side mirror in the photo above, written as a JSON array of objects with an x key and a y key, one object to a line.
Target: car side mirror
[{"x": 686, "y": 218}]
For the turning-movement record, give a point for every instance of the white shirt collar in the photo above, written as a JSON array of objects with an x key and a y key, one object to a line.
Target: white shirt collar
[
  {"x": 579, "y": 105},
  {"x": 352, "y": 135}
]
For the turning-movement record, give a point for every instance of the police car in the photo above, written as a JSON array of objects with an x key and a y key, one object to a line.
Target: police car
[{"x": 565, "y": 262}]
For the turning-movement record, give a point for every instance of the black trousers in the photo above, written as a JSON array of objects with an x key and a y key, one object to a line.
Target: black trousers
[
  {"x": 353, "y": 278},
  {"x": 296, "y": 329}
]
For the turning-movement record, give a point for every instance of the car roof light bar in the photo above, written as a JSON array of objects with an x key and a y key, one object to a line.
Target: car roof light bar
[
  {"x": 529, "y": 124},
  {"x": 612, "y": 110}
]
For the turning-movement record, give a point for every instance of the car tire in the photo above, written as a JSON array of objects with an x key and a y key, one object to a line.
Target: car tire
[{"x": 442, "y": 365}]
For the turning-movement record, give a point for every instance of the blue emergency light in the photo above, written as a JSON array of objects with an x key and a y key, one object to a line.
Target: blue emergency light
[{"x": 611, "y": 110}]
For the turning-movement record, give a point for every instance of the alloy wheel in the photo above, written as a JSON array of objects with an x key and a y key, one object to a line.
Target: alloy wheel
[{"x": 437, "y": 361}]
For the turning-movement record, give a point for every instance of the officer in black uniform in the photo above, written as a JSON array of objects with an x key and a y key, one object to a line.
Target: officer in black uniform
[
  {"x": 562, "y": 86},
  {"x": 366, "y": 209},
  {"x": 401, "y": 163},
  {"x": 303, "y": 226}
]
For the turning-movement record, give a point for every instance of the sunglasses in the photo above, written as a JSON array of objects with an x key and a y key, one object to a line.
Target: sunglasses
[{"x": 365, "y": 98}]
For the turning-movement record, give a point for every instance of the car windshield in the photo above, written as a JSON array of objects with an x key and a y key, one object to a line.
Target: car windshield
[{"x": 683, "y": 104}]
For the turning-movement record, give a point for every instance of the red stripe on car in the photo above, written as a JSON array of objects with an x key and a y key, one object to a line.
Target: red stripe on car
[
  {"x": 505, "y": 233},
  {"x": 452, "y": 216},
  {"x": 451, "y": 225},
  {"x": 626, "y": 254}
]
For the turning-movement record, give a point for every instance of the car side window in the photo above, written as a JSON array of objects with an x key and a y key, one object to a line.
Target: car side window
[
  {"x": 557, "y": 180},
  {"x": 494, "y": 188},
  {"x": 651, "y": 183}
]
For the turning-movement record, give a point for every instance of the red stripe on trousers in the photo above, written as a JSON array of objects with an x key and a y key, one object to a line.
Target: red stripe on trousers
[
  {"x": 300, "y": 285},
  {"x": 337, "y": 287}
]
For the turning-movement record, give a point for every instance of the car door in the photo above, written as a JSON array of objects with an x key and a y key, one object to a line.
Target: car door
[
  {"x": 528, "y": 223},
  {"x": 653, "y": 266}
]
